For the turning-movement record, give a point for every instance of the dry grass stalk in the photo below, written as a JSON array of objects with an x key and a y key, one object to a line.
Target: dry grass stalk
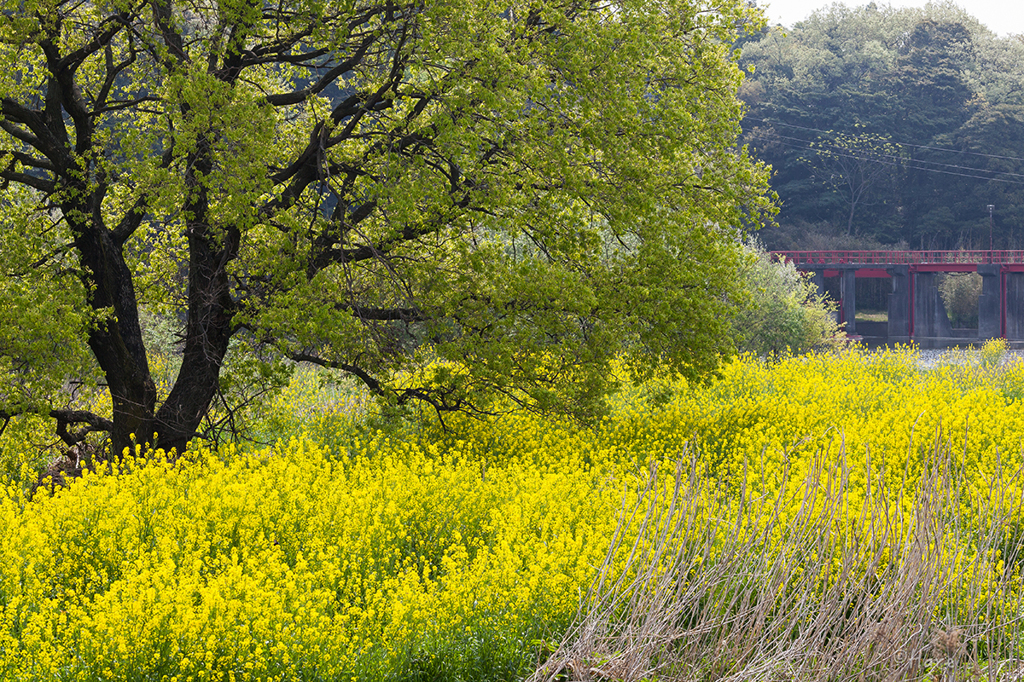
[{"x": 717, "y": 587}]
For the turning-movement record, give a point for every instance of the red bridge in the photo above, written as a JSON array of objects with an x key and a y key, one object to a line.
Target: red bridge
[
  {"x": 955, "y": 258},
  {"x": 916, "y": 310}
]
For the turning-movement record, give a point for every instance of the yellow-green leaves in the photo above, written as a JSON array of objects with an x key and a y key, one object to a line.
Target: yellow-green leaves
[{"x": 531, "y": 188}]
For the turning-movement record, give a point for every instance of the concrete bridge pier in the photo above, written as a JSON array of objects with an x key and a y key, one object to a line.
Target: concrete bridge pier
[
  {"x": 899, "y": 304},
  {"x": 931, "y": 326},
  {"x": 1013, "y": 299},
  {"x": 818, "y": 280},
  {"x": 989, "y": 303},
  {"x": 848, "y": 289}
]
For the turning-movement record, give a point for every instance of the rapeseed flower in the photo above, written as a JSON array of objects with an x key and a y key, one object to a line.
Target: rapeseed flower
[{"x": 353, "y": 553}]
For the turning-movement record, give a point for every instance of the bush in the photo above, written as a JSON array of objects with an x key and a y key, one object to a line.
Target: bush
[
  {"x": 960, "y": 292},
  {"x": 784, "y": 312}
]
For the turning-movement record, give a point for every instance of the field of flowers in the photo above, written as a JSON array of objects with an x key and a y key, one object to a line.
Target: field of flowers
[{"x": 840, "y": 516}]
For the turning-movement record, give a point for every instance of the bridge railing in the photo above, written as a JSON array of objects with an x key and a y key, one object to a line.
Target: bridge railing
[{"x": 901, "y": 257}]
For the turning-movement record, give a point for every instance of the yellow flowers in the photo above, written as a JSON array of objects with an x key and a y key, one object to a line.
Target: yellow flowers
[
  {"x": 437, "y": 553},
  {"x": 255, "y": 564}
]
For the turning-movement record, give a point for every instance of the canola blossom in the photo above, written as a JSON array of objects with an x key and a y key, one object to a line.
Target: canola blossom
[{"x": 346, "y": 552}]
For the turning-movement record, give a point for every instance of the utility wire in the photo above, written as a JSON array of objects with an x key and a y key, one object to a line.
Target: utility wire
[
  {"x": 902, "y": 144},
  {"x": 867, "y": 156},
  {"x": 912, "y": 167},
  {"x": 808, "y": 145},
  {"x": 920, "y": 168},
  {"x": 839, "y": 148}
]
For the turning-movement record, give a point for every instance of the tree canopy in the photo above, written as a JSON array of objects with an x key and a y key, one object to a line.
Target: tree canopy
[{"x": 451, "y": 201}]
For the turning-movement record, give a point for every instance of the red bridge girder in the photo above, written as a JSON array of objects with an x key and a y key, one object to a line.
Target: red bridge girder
[{"x": 963, "y": 259}]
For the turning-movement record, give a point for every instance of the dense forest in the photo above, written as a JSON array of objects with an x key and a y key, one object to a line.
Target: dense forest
[{"x": 889, "y": 127}]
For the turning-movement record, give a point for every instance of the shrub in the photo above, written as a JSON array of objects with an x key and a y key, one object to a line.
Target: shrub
[
  {"x": 784, "y": 311},
  {"x": 960, "y": 292}
]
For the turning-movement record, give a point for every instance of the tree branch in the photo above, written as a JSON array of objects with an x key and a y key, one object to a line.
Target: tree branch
[
  {"x": 119, "y": 105},
  {"x": 162, "y": 17},
  {"x": 93, "y": 423},
  {"x": 114, "y": 25},
  {"x": 113, "y": 70},
  {"x": 375, "y": 386},
  {"x": 40, "y": 138},
  {"x": 387, "y": 314},
  {"x": 19, "y": 134},
  {"x": 29, "y": 160},
  {"x": 132, "y": 218},
  {"x": 328, "y": 78},
  {"x": 9, "y": 175}
]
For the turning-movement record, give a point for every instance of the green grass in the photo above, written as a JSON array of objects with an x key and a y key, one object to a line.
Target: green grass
[{"x": 872, "y": 316}]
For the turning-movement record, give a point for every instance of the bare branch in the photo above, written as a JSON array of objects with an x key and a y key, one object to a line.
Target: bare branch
[{"x": 93, "y": 423}]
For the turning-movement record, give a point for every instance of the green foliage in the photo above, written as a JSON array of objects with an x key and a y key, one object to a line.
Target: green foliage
[
  {"x": 42, "y": 325},
  {"x": 25, "y": 442},
  {"x": 784, "y": 312},
  {"x": 526, "y": 189},
  {"x": 913, "y": 114},
  {"x": 960, "y": 293}
]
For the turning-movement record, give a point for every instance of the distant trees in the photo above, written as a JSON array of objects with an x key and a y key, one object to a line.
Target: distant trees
[
  {"x": 855, "y": 166},
  {"x": 960, "y": 292},
  {"x": 941, "y": 92}
]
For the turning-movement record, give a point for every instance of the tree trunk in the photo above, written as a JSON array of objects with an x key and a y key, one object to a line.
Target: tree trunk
[
  {"x": 210, "y": 311},
  {"x": 116, "y": 338},
  {"x": 208, "y": 332}
]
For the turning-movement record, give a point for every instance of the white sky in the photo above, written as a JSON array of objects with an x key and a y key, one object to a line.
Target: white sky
[{"x": 1003, "y": 17}]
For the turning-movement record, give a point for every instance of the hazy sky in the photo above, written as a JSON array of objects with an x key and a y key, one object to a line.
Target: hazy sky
[{"x": 1004, "y": 17}]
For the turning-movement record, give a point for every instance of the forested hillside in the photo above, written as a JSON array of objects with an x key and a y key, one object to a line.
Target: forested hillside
[{"x": 889, "y": 126}]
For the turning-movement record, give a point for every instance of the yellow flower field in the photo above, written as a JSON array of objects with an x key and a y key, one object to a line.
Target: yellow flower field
[{"x": 812, "y": 517}]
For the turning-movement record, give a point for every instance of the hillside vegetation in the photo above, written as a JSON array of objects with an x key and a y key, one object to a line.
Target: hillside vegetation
[{"x": 888, "y": 126}]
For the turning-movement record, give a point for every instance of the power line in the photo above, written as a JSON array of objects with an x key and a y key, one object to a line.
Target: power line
[
  {"x": 869, "y": 156},
  {"x": 911, "y": 166},
  {"x": 902, "y": 144},
  {"x": 897, "y": 161}
]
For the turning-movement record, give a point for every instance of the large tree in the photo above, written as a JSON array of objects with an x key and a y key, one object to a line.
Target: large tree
[{"x": 448, "y": 200}]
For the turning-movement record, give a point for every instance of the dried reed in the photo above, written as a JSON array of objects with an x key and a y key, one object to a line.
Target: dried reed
[{"x": 916, "y": 583}]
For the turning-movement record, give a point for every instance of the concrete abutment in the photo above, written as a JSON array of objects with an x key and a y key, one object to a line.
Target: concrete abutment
[{"x": 931, "y": 328}]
